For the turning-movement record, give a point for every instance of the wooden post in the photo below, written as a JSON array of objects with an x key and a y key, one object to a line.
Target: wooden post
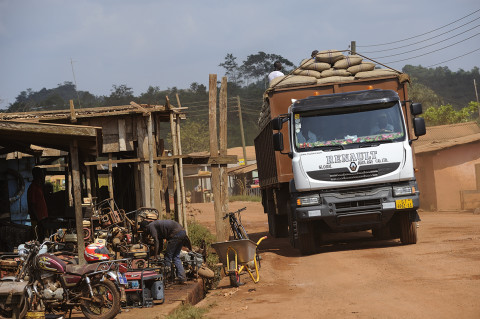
[
  {"x": 89, "y": 184},
  {"x": 215, "y": 179},
  {"x": 150, "y": 160},
  {"x": 77, "y": 194},
  {"x": 110, "y": 179},
  {"x": 477, "y": 176},
  {"x": 73, "y": 116},
  {"x": 242, "y": 134},
  {"x": 223, "y": 152},
  {"x": 180, "y": 169},
  {"x": 173, "y": 131}
]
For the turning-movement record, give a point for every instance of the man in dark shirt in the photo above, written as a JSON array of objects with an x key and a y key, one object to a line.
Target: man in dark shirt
[
  {"x": 37, "y": 207},
  {"x": 175, "y": 235}
]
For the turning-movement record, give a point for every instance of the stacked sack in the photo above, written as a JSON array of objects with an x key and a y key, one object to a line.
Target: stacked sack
[{"x": 330, "y": 66}]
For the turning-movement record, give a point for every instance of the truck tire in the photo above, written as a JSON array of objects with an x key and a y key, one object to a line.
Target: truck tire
[
  {"x": 408, "y": 235},
  {"x": 278, "y": 225},
  {"x": 382, "y": 233},
  {"x": 306, "y": 242}
]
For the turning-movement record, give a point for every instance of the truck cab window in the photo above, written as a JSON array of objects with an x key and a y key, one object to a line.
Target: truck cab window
[{"x": 331, "y": 127}]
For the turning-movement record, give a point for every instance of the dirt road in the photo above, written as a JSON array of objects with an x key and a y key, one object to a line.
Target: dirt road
[{"x": 357, "y": 277}]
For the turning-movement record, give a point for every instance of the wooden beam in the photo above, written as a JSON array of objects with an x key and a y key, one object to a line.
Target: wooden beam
[
  {"x": 215, "y": 180},
  {"x": 176, "y": 185},
  {"x": 73, "y": 118},
  {"x": 223, "y": 152},
  {"x": 180, "y": 169},
  {"x": 77, "y": 195}
]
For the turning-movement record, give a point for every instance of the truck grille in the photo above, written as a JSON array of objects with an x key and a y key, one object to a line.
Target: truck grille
[
  {"x": 358, "y": 206},
  {"x": 343, "y": 174},
  {"x": 347, "y": 176}
]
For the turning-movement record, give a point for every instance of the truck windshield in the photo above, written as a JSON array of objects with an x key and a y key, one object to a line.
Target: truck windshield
[{"x": 346, "y": 128}]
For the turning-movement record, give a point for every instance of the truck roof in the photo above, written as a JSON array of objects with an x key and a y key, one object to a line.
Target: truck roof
[{"x": 339, "y": 100}]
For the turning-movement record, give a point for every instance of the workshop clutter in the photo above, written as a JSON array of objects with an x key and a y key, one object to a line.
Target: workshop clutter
[{"x": 113, "y": 235}]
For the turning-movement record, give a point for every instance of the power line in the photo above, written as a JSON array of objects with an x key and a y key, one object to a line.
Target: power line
[
  {"x": 453, "y": 58},
  {"x": 416, "y": 36},
  {"x": 388, "y": 56},
  {"x": 406, "y": 45},
  {"x": 413, "y": 57}
]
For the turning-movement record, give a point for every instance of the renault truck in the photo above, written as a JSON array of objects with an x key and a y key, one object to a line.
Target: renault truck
[{"x": 337, "y": 157}]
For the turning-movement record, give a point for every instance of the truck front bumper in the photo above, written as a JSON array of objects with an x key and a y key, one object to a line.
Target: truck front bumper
[{"x": 347, "y": 210}]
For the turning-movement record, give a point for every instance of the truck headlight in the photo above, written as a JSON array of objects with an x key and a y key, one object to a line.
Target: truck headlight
[
  {"x": 308, "y": 200},
  {"x": 403, "y": 190}
]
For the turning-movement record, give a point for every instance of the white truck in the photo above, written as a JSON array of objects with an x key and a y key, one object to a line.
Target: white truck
[{"x": 349, "y": 165}]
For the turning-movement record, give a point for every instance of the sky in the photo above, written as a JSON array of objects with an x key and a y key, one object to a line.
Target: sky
[{"x": 142, "y": 43}]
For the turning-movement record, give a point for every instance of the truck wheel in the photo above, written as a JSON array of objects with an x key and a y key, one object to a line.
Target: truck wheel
[
  {"x": 382, "y": 233},
  {"x": 408, "y": 229},
  {"x": 306, "y": 241},
  {"x": 278, "y": 225}
]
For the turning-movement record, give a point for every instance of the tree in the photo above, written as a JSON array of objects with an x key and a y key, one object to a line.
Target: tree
[
  {"x": 258, "y": 66},
  {"x": 195, "y": 138},
  {"x": 446, "y": 114},
  {"x": 121, "y": 95},
  {"x": 231, "y": 68},
  {"x": 420, "y": 93}
]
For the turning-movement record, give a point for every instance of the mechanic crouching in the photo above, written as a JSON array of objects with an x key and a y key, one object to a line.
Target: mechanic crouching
[{"x": 175, "y": 235}]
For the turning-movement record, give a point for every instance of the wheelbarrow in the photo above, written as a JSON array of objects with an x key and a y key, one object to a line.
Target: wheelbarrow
[{"x": 238, "y": 256}]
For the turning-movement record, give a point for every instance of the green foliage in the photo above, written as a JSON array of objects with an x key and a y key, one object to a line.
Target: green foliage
[
  {"x": 121, "y": 95},
  {"x": 420, "y": 93},
  {"x": 187, "y": 311},
  {"x": 446, "y": 114},
  {"x": 455, "y": 88},
  {"x": 199, "y": 233}
]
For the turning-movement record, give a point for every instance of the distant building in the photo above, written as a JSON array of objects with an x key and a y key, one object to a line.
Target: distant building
[{"x": 448, "y": 163}]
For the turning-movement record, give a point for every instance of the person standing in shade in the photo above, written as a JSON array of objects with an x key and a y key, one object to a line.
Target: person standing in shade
[
  {"x": 37, "y": 206},
  {"x": 276, "y": 72},
  {"x": 175, "y": 235}
]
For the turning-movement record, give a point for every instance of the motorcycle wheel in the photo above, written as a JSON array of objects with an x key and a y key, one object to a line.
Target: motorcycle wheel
[{"x": 105, "y": 303}]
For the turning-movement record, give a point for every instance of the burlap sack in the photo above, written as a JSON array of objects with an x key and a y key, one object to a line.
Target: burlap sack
[
  {"x": 316, "y": 66},
  {"x": 329, "y": 56},
  {"x": 334, "y": 72},
  {"x": 333, "y": 79},
  {"x": 296, "y": 80},
  {"x": 349, "y": 61},
  {"x": 362, "y": 67},
  {"x": 307, "y": 73},
  {"x": 375, "y": 73}
]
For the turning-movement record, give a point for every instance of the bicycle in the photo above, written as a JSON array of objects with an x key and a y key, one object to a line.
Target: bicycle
[{"x": 236, "y": 226}]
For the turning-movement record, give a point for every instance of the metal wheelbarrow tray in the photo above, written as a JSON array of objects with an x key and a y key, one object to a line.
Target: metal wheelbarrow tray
[{"x": 237, "y": 256}]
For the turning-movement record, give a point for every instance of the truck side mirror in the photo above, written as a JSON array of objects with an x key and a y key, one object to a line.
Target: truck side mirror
[
  {"x": 416, "y": 109},
  {"x": 277, "y": 123},
  {"x": 278, "y": 141},
  {"x": 419, "y": 126}
]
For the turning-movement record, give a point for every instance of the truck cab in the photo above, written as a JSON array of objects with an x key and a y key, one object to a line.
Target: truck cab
[{"x": 352, "y": 166}]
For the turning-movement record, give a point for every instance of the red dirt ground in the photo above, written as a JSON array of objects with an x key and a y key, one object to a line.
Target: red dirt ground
[{"x": 354, "y": 276}]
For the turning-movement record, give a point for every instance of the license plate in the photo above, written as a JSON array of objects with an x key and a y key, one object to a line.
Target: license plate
[
  {"x": 403, "y": 203},
  {"x": 122, "y": 279}
]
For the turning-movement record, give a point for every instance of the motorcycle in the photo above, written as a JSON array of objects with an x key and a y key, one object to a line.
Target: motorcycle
[{"x": 54, "y": 286}]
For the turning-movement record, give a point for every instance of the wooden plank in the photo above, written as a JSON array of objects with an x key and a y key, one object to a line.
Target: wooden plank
[
  {"x": 57, "y": 129},
  {"x": 122, "y": 135},
  {"x": 142, "y": 152}
]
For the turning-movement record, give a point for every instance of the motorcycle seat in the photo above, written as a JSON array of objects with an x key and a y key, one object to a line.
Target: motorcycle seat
[{"x": 80, "y": 270}]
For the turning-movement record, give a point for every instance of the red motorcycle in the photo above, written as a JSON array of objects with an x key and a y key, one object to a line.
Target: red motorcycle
[{"x": 57, "y": 287}]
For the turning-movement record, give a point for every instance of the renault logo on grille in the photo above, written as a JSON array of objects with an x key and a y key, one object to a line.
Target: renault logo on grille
[{"x": 353, "y": 166}]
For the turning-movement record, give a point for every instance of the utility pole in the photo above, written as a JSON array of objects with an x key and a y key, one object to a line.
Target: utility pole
[
  {"x": 241, "y": 130},
  {"x": 353, "y": 47}
]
